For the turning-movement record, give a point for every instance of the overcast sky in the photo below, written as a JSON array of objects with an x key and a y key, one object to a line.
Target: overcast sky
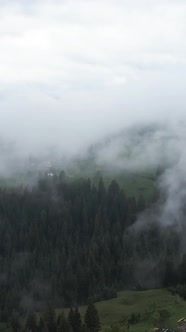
[{"x": 72, "y": 71}]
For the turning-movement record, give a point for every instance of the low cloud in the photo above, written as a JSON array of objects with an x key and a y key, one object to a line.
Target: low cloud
[{"x": 72, "y": 72}]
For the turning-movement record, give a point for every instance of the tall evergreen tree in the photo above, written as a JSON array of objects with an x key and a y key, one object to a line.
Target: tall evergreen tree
[
  {"x": 71, "y": 317},
  {"x": 50, "y": 318},
  {"x": 92, "y": 318},
  {"x": 41, "y": 324},
  {"x": 62, "y": 323},
  {"x": 77, "y": 322}
]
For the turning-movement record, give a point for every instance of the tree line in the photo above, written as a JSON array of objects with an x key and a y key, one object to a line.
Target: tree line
[
  {"x": 49, "y": 322},
  {"x": 68, "y": 242}
]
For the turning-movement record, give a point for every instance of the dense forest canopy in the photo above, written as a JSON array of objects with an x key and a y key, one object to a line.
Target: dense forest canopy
[{"x": 68, "y": 242}]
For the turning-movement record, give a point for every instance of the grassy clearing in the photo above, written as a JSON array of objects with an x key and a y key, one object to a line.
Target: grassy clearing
[
  {"x": 118, "y": 310},
  {"x": 133, "y": 185}
]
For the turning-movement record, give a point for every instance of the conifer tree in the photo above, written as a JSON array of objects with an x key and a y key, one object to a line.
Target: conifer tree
[
  {"x": 77, "y": 321},
  {"x": 50, "y": 318},
  {"x": 92, "y": 318},
  {"x": 41, "y": 324},
  {"x": 71, "y": 317},
  {"x": 62, "y": 323}
]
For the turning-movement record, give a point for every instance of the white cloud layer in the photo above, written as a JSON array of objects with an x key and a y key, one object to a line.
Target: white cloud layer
[{"x": 72, "y": 71}]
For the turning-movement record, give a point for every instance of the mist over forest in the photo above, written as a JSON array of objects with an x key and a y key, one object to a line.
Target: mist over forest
[{"x": 92, "y": 159}]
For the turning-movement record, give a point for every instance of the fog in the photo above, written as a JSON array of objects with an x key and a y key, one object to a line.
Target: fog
[
  {"x": 75, "y": 74},
  {"x": 72, "y": 72}
]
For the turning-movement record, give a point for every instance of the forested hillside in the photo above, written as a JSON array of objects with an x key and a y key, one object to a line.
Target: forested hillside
[{"x": 68, "y": 242}]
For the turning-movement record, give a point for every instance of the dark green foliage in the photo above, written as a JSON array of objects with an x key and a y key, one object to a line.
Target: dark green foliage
[
  {"x": 164, "y": 317},
  {"x": 67, "y": 242},
  {"x": 63, "y": 324},
  {"x": 74, "y": 319},
  {"x": 160, "y": 317},
  {"x": 180, "y": 289},
  {"x": 134, "y": 318},
  {"x": 41, "y": 324},
  {"x": 77, "y": 321},
  {"x": 15, "y": 323},
  {"x": 45, "y": 328},
  {"x": 71, "y": 317},
  {"x": 4, "y": 315},
  {"x": 92, "y": 319},
  {"x": 31, "y": 324},
  {"x": 84, "y": 328},
  {"x": 49, "y": 318}
]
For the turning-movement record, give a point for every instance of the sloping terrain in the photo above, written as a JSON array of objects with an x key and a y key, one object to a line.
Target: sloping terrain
[{"x": 146, "y": 303}]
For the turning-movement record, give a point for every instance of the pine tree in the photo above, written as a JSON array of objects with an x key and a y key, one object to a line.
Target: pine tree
[
  {"x": 101, "y": 192},
  {"x": 84, "y": 328},
  {"x": 71, "y": 317},
  {"x": 41, "y": 324},
  {"x": 62, "y": 323},
  {"x": 77, "y": 322},
  {"x": 50, "y": 319},
  {"x": 92, "y": 318}
]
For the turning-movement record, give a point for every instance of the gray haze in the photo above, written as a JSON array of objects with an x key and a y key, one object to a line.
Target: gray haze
[
  {"x": 73, "y": 72},
  {"x": 106, "y": 74}
]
